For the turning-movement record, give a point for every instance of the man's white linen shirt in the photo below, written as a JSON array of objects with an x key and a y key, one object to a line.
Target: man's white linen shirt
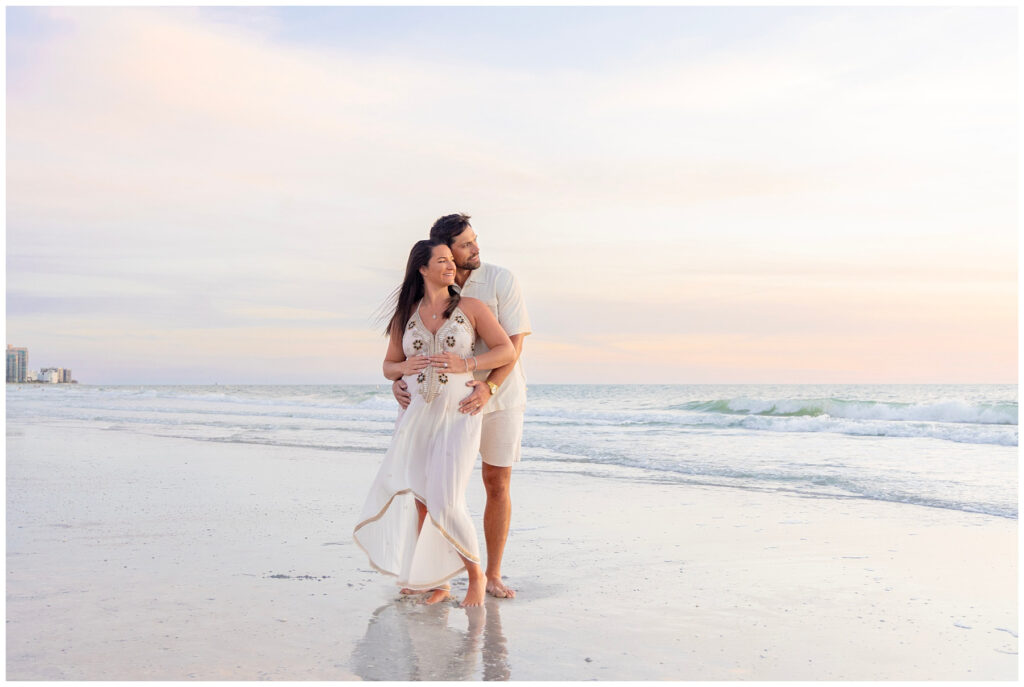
[{"x": 499, "y": 290}]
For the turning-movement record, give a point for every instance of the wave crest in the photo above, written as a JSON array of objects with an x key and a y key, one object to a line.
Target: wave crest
[{"x": 955, "y": 411}]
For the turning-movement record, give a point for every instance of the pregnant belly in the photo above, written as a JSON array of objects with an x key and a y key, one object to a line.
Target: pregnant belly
[{"x": 431, "y": 385}]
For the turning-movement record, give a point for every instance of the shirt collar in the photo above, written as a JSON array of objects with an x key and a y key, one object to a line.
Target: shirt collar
[{"x": 477, "y": 276}]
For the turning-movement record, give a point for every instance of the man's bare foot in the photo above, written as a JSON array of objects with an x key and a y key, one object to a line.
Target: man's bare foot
[
  {"x": 495, "y": 587},
  {"x": 437, "y": 596},
  {"x": 476, "y": 592}
]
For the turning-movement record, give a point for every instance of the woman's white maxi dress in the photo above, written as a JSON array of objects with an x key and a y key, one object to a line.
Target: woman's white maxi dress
[{"x": 430, "y": 459}]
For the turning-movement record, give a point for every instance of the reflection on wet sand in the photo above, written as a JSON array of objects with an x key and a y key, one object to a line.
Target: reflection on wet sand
[
  {"x": 407, "y": 640},
  {"x": 495, "y": 651}
]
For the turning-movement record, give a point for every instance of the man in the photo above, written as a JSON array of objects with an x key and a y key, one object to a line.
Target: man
[{"x": 500, "y": 394}]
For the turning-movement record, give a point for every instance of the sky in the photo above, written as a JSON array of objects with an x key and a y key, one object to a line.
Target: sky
[{"x": 686, "y": 194}]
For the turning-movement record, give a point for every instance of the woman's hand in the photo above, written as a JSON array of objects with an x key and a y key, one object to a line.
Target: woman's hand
[
  {"x": 449, "y": 362},
  {"x": 413, "y": 365}
]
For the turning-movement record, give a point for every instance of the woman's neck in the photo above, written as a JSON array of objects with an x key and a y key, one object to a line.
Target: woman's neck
[{"x": 433, "y": 296}]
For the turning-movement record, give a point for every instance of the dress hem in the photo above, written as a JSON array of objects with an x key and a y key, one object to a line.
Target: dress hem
[
  {"x": 424, "y": 587},
  {"x": 459, "y": 549}
]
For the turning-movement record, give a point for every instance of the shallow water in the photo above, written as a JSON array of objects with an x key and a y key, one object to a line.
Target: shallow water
[{"x": 947, "y": 446}]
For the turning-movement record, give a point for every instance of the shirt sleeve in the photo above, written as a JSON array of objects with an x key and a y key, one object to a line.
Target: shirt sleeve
[{"x": 512, "y": 314}]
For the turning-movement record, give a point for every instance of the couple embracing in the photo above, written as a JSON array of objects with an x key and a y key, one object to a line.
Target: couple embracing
[{"x": 457, "y": 323}]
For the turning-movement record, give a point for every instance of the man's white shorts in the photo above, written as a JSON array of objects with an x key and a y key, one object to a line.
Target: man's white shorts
[{"x": 501, "y": 437}]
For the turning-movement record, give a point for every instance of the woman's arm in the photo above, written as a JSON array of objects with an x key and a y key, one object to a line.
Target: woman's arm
[
  {"x": 482, "y": 392},
  {"x": 396, "y": 365},
  {"x": 500, "y": 374},
  {"x": 501, "y": 352}
]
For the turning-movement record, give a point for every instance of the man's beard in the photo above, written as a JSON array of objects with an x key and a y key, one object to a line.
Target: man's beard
[{"x": 468, "y": 266}]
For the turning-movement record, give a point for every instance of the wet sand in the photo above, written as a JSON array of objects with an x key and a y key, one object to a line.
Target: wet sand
[{"x": 134, "y": 557}]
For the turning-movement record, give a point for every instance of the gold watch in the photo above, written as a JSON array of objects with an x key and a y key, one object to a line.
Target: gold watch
[{"x": 493, "y": 387}]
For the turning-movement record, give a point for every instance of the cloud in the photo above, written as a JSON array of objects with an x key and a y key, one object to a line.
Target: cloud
[
  {"x": 169, "y": 171},
  {"x": 299, "y": 314}
]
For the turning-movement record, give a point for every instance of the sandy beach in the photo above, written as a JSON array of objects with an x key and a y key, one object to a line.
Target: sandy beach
[{"x": 133, "y": 557}]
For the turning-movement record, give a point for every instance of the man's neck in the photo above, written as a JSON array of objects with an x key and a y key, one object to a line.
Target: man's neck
[{"x": 461, "y": 276}]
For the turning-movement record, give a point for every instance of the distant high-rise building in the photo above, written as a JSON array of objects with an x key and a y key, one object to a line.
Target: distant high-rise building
[
  {"x": 17, "y": 363},
  {"x": 51, "y": 375},
  {"x": 65, "y": 375}
]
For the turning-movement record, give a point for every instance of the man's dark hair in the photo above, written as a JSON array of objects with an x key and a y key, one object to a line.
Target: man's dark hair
[{"x": 448, "y": 227}]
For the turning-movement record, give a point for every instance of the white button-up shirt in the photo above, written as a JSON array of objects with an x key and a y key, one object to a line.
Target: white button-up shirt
[{"x": 499, "y": 290}]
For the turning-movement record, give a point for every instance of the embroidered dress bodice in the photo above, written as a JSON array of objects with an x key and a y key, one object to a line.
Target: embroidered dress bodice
[{"x": 455, "y": 335}]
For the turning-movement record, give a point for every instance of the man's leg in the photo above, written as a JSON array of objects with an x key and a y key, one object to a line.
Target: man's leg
[
  {"x": 501, "y": 437},
  {"x": 497, "y": 516}
]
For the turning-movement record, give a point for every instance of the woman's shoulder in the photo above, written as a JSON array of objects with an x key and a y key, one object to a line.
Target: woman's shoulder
[{"x": 471, "y": 306}]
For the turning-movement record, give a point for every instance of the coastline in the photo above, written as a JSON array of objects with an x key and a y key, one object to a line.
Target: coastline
[{"x": 141, "y": 557}]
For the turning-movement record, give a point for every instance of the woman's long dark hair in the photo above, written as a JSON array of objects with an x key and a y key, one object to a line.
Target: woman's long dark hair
[{"x": 411, "y": 291}]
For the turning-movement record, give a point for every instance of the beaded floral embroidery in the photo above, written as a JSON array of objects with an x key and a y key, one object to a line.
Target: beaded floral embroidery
[{"x": 449, "y": 337}]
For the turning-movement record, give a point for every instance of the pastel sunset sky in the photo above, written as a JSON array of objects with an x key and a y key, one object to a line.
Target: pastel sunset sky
[{"x": 687, "y": 195}]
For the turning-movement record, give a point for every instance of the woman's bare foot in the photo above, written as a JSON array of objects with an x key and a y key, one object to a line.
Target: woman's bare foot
[
  {"x": 477, "y": 590},
  {"x": 405, "y": 591},
  {"x": 437, "y": 595},
  {"x": 495, "y": 587}
]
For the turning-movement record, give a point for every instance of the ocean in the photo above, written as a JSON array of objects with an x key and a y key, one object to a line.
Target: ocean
[{"x": 939, "y": 446}]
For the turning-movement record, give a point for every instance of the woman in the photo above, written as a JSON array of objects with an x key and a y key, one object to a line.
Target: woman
[{"x": 415, "y": 524}]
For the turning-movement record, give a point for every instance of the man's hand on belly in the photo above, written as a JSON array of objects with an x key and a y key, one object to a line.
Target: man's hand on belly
[{"x": 473, "y": 403}]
